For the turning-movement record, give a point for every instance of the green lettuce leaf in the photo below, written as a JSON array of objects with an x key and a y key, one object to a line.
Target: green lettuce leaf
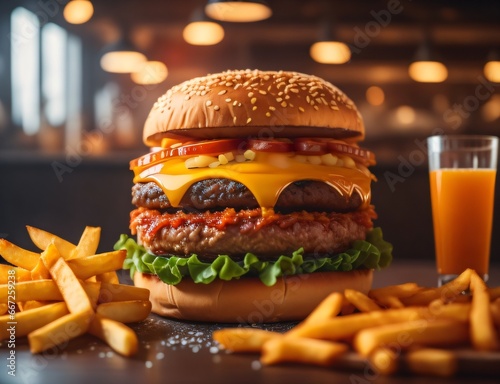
[{"x": 372, "y": 253}]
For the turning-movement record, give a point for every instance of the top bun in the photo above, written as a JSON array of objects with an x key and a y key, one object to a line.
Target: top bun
[{"x": 246, "y": 103}]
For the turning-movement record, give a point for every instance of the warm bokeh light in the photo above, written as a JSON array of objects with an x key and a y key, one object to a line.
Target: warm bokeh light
[
  {"x": 375, "y": 96},
  {"x": 491, "y": 109},
  {"x": 492, "y": 71},
  {"x": 122, "y": 61},
  {"x": 151, "y": 72},
  {"x": 238, "y": 11},
  {"x": 78, "y": 11},
  {"x": 203, "y": 33},
  {"x": 330, "y": 52},
  {"x": 428, "y": 71},
  {"x": 405, "y": 114}
]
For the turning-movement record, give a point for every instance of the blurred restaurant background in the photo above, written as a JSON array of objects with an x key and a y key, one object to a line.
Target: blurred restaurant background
[{"x": 71, "y": 113}]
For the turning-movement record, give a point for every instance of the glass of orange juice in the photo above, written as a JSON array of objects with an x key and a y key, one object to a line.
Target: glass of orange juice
[{"x": 462, "y": 171}]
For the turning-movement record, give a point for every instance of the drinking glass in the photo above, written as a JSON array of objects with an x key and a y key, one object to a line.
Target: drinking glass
[{"x": 462, "y": 171}]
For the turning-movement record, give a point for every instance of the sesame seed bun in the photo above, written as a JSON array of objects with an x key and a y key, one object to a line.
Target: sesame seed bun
[{"x": 259, "y": 103}]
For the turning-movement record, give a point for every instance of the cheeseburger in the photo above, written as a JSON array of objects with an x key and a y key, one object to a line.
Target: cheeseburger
[{"x": 254, "y": 201}]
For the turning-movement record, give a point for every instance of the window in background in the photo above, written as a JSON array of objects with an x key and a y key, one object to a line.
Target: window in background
[
  {"x": 74, "y": 91},
  {"x": 54, "y": 73},
  {"x": 25, "y": 63}
]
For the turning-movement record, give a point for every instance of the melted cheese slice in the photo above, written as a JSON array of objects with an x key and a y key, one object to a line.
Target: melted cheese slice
[{"x": 265, "y": 176}]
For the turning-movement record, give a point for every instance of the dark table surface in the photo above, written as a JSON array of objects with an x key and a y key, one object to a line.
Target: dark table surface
[{"x": 184, "y": 352}]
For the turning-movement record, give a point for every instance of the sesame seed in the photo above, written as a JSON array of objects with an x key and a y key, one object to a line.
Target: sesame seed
[
  {"x": 279, "y": 99},
  {"x": 268, "y": 114},
  {"x": 239, "y": 85},
  {"x": 250, "y": 94},
  {"x": 316, "y": 107},
  {"x": 216, "y": 107},
  {"x": 262, "y": 92},
  {"x": 301, "y": 109},
  {"x": 272, "y": 108},
  {"x": 294, "y": 90},
  {"x": 234, "y": 119},
  {"x": 208, "y": 103},
  {"x": 249, "y": 120},
  {"x": 239, "y": 104},
  {"x": 228, "y": 100},
  {"x": 222, "y": 92},
  {"x": 308, "y": 99},
  {"x": 254, "y": 100},
  {"x": 187, "y": 97},
  {"x": 235, "y": 103},
  {"x": 229, "y": 84},
  {"x": 254, "y": 108},
  {"x": 284, "y": 104},
  {"x": 266, "y": 77}
]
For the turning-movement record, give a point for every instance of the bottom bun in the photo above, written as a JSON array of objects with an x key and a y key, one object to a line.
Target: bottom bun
[{"x": 247, "y": 300}]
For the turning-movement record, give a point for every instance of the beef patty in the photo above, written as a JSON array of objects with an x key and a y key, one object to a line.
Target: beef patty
[{"x": 218, "y": 194}]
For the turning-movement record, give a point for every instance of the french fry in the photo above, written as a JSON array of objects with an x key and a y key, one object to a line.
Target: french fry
[
  {"x": 40, "y": 272},
  {"x": 455, "y": 311},
  {"x": 117, "y": 335},
  {"x": 328, "y": 308},
  {"x": 361, "y": 301},
  {"x": 108, "y": 277},
  {"x": 243, "y": 339},
  {"x": 93, "y": 290},
  {"x": 483, "y": 334},
  {"x": 420, "y": 332},
  {"x": 301, "y": 350},
  {"x": 72, "y": 291},
  {"x": 85, "y": 267},
  {"x": 89, "y": 241},
  {"x": 20, "y": 273},
  {"x": 391, "y": 302},
  {"x": 59, "y": 331},
  {"x": 57, "y": 293},
  {"x": 400, "y": 291},
  {"x": 42, "y": 239},
  {"x": 32, "y": 319},
  {"x": 430, "y": 361},
  {"x": 345, "y": 327},
  {"x": 32, "y": 290},
  {"x": 31, "y": 304},
  {"x": 384, "y": 361},
  {"x": 121, "y": 292},
  {"x": 18, "y": 256},
  {"x": 131, "y": 311},
  {"x": 447, "y": 292}
]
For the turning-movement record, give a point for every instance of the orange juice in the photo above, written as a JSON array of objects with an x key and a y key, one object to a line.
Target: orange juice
[{"x": 462, "y": 210}]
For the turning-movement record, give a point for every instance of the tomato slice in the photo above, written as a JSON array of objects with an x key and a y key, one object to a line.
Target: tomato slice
[
  {"x": 361, "y": 155},
  {"x": 310, "y": 147},
  {"x": 208, "y": 147},
  {"x": 273, "y": 145}
]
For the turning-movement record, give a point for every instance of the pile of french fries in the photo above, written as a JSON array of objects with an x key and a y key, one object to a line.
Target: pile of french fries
[
  {"x": 400, "y": 328},
  {"x": 68, "y": 290}
]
